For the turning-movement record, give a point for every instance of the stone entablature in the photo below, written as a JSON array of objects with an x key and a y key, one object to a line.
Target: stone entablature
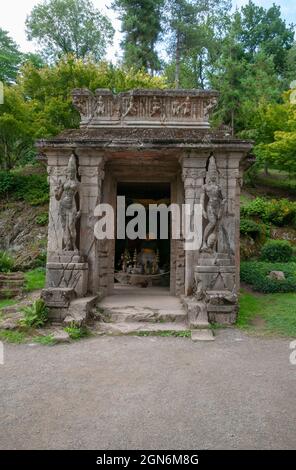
[{"x": 145, "y": 108}]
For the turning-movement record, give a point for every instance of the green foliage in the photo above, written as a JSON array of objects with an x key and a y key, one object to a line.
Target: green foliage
[
  {"x": 35, "y": 279},
  {"x": 69, "y": 26},
  {"x": 277, "y": 251},
  {"x": 76, "y": 332},
  {"x": 279, "y": 212},
  {"x": 35, "y": 315},
  {"x": 250, "y": 227},
  {"x": 12, "y": 336},
  {"x": 10, "y": 57},
  {"x": 47, "y": 340},
  {"x": 6, "y": 262},
  {"x": 141, "y": 26},
  {"x": 32, "y": 188},
  {"x": 6, "y": 303},
  {"x": 255, "y": 273},
  {"x": 42, "y": 219},
  {"x": 276, "y": 311}
]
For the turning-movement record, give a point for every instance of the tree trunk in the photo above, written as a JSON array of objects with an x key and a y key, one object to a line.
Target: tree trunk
[{"x": 177, "y": 58}]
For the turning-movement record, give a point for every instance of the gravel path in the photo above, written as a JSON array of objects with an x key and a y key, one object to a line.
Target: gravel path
[{"x": 149, "y": 392}]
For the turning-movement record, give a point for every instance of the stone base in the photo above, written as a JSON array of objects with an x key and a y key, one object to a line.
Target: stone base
[
  {"x": 78, "y": 312},
  {"x": 197, "y": 316},
  {"x": 67, "y": 275},
  {"x": 58, "y": 296},
  {"x": 202, "y": 335}
]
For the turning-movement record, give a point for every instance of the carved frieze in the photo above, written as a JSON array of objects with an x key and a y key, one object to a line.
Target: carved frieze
[{"x": 172, "y": 108}]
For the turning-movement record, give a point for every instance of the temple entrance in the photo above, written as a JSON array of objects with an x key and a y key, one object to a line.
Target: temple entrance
[{"x": 144, "y": 262}]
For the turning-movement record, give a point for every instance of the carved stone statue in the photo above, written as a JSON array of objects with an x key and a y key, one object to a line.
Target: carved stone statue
[
  {"x": 213, "y": 203},
  {"x": 211, "y": 104},
  {"x": 69, "y": 214},
  {"x": 186, "y": 107},
  {"x": 100, "y": 106},
  {"x": 155, "y": 110},
  {"x": 132, "y": 108}
]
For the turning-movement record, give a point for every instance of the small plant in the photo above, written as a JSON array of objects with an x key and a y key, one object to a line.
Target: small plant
[
  {"x": 47, "y": 340},
  {"x": 42, "y": 219},
  {"x": 249, "y": 227},
  {"x": 6, "y": 262},
  {"x": 35, "y": 315},
  {"x": 277, "y": 251},
  {"x": 76, "y": 332},
  {"x": 12, "y": 336}
]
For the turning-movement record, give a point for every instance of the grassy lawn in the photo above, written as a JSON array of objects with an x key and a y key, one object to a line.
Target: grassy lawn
[
  {"x": 6, "y": 302},
  {"x": 268, "y": 314},
  {"x": 278, "y": 179},
  {"x": 35, "y": 279}
]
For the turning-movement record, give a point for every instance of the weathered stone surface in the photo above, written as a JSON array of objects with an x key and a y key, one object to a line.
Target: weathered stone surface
[
  {"x": 202, "y": 335},
  {"x": 61, "y": 336},
  {"x": 190, "y": 108},
  {"x": 58, "y": 296},
  {"x": 277, "y": 275},
  {"x": 143, "y": 136}
]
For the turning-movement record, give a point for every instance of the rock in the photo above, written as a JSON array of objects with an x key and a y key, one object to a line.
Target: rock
[
  {"x": 202, "y": 335},
  {"x": 61, "y": 336},
  {"x": 9, "y": 324},
  {"x": 277, "y": 275}
]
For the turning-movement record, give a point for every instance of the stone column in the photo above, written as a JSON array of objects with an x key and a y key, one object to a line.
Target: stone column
[
  {"x": 193, "y": 173},
  {"x": 91, "y": 171}
]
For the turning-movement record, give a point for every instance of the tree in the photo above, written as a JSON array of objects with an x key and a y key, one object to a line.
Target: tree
[
  {"x": 141, "y": 26},
  {"x": 10, "y": 58},
  {"x": 69, "y": 26},
  {"x": 264, "y": 30},
  {"x": 194, "y": 29}
]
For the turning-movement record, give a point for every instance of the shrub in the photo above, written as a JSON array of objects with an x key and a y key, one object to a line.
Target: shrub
[
  {"x": 35, "y": 315},
  {"x": 249, "y": 227},
  {"x": 256, "y": 273},
  {"x": 277, "y": 251},
  {"x": 76, "y": 332},
  {"x": 279, "y": 212},
  {"x": 42, "y": 219},
  {"x": 32, "y": 188},
  {"x": 6, "y": 262}
]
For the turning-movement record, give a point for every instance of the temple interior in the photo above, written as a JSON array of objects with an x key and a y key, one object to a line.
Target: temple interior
[{"x": 145, "y": 261}]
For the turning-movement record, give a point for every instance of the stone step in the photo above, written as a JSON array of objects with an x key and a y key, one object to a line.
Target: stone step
[
  {"x": 126, "y": 328},
  {"x": 142, "y": 314},
  {"x": 80, "y": 310},
  {"x": 202, "y": 335}
]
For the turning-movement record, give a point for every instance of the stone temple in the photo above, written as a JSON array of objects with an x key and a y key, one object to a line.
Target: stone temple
[{"x": 151, "y": 146}]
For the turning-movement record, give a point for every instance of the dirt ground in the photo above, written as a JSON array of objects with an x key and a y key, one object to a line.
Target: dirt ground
[{"x": 131, "y": 392}]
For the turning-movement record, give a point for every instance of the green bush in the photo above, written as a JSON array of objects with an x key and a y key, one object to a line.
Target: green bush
[
  {"x": 32, "y": 188},
  {"x": 277, "y": 251},
  {"x": 42, "y": 219},
  {"x": 76, "y": 332},
  {"x": 279, "y": 212},
  {"x": 35, "y": 315},
  {"x": 6, "y": 262},
  {"x": 256, "y": 273},
  {"x": 250, "y": 227}
]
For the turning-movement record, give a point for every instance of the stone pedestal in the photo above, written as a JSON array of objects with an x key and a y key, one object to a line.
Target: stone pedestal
[{"x": 215, "y": 276}]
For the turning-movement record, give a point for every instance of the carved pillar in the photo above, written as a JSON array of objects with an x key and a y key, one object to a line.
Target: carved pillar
[
  {"x": 193, "y": 172},
  {"x": 91, "y": 171}
]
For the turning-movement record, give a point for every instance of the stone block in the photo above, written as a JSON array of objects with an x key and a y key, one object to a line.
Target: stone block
[
  {"x": 58, "y": 296},
  {"x": 68, "y": 275}
]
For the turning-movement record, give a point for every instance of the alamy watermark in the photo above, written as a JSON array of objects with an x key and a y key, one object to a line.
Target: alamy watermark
[
  {"x": 186, "y": 222},
  {"x": 293, "y": 353}
]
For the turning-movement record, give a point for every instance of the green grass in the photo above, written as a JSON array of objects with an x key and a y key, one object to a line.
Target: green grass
[
  {"x": 12, "y": 336},
  {"x": 45, "y": 340},
  {"x": 7, "y": 302},
  {"x": 77, "y": 332},
  {"x": 278, "y": 312},
  {"x": 35, "y": 279},
  {"x": 182, "y": 334}
]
